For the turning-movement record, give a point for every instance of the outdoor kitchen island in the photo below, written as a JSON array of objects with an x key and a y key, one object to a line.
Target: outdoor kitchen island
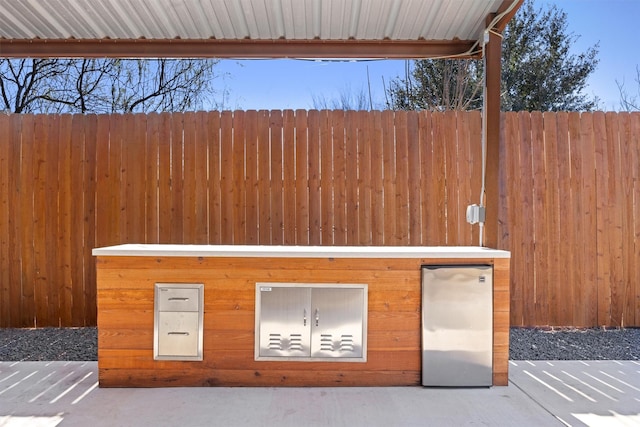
[{"x": 187, "y": 315}]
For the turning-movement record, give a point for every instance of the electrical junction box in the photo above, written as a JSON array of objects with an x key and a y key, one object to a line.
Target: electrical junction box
[{"x": 475, "y": 214}]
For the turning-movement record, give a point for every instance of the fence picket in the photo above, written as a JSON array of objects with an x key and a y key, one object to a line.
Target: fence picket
[
  {"x": 389, "y": 179},
  {"x": 315, "y": 217},
  {"x": 628, "y": 163},
  {"x": 66, "y": 229},
  {"x": 551, "y": 212},
  {"x": 264, "y": 178},
  {"x": 289, "y": 178},
  {"x": 615, "y": 224},
  {"x": 527, "y": 221},
  {"x": 44, "y": 215},
  {"x": 632, "y": 311},
  {"x": 589, "y": 183},
  {"x": 164, "y": 132},
  {"x": 344, "y": 138},
  {"x": 377, "y": 191},
  {"x": 541, "y": 219},
  {"x": 602, "y": 218},
  {"x": 191, "y": 203},
  {"x": 23, "y": 156},
  {"x": 564, "y": 202},
  {"x": 6, "y": 171},
  {"x": 190, "y": 223},
  {"x": 515, "y": 200},
  {"x": 214, "y": 148},
  {"x": 87, "y": 289},
  {"x": 465, "y": 177},
  {"x": 251, "y": 144},
  {"x": 576, "y": 215},
  {"x": 437, "y": 181},
  {"x": 226, "y": 178},
  {"x": 134, "y": 177},
  {"x": 201, "y": 176},
  {"x": 237, "y": 211},
  {"x": 402, "y": 181},
  {"x": 347, "y": 172},
  {"x": 152, "y": 142},
  {"x": 413, "y": 179},
  {"x": 364, "y": 179},
  {"x": 277, "y": 200},
  {"x": 428, "y": 219},
  {"x": 82, "y": 215},
  {"x": 302, "y": 178},
  {"x": 326, "y": 179},
  {"x": 177, "y": 179}
]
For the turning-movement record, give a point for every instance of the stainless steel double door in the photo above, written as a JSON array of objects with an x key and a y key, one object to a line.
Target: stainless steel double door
[{"x": 312, "y": 322}]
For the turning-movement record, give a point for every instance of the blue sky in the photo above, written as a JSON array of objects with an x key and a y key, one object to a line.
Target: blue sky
[{"x": 293, "y": 84}]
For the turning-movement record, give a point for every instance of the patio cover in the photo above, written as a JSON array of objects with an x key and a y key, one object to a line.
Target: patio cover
[
  {"x": 346, "y": 29},
  {"x": 249, "y": 28}
]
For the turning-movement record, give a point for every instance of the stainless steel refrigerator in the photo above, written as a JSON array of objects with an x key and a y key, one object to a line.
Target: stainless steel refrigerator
[{"x": 457, "y": 325}]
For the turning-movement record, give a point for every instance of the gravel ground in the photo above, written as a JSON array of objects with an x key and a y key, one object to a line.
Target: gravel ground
[
  {"x": 574, "y": 344},
  {"x": 80, "y": 344},
  {"x": 47, "y": 344}
]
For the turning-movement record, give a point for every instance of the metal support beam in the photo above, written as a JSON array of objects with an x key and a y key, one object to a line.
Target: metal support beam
[
  {"x": 211, "y": 48},
  {"x": 493, "y": 52}
]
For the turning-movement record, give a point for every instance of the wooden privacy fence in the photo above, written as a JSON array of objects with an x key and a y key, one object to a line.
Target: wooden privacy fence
[
  {"x": 569, "y": 198},
  {"x": 572, "y": 214}
]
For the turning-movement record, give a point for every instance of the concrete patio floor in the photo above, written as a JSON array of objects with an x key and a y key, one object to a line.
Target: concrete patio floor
[{"x": 540, "y": 393}]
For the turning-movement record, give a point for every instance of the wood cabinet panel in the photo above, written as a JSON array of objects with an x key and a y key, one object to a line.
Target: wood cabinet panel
[
  {"x": 267, "y": 378},
  {"x": 125, "y": 321}
]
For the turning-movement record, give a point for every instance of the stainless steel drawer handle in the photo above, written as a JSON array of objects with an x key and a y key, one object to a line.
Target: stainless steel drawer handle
[
  {"x": 178, "y": 299},
  {"x": 178, "y": 333},
  {"x": 304, "y": 317},
  {"x": 317, "y": 316}
]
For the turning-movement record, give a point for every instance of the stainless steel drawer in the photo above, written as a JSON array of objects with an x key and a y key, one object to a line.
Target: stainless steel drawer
[
  {"x": 178, "y": 334},
  {"x": 178, "y": 321},
  {"x": 173, "y": 298}
]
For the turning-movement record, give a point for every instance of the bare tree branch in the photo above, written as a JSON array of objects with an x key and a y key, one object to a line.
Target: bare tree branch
[
  {"x": 105, "y": 85},
  {"x": 630, "y": 102}
]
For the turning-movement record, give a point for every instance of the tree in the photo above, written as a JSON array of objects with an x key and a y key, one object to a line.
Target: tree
[
  {"x": 539, "y": 72},
  {"x": 630, "y": 102},
  {"x": 438, "y": 85},
  {"x": 347, "y": 100},
  {"x": 104, "y": 85}
]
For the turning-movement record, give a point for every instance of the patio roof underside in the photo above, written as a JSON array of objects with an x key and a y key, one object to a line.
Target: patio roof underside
[{"x": 347, "y": 29}]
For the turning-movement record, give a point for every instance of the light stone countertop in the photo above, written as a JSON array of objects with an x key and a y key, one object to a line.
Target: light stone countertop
[{"x": 254, "y": 251}]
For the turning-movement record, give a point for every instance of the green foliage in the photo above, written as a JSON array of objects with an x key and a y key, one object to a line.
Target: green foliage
[
  {"x": 539, "y": 72},
  {"x": 438, "y": 85}
]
